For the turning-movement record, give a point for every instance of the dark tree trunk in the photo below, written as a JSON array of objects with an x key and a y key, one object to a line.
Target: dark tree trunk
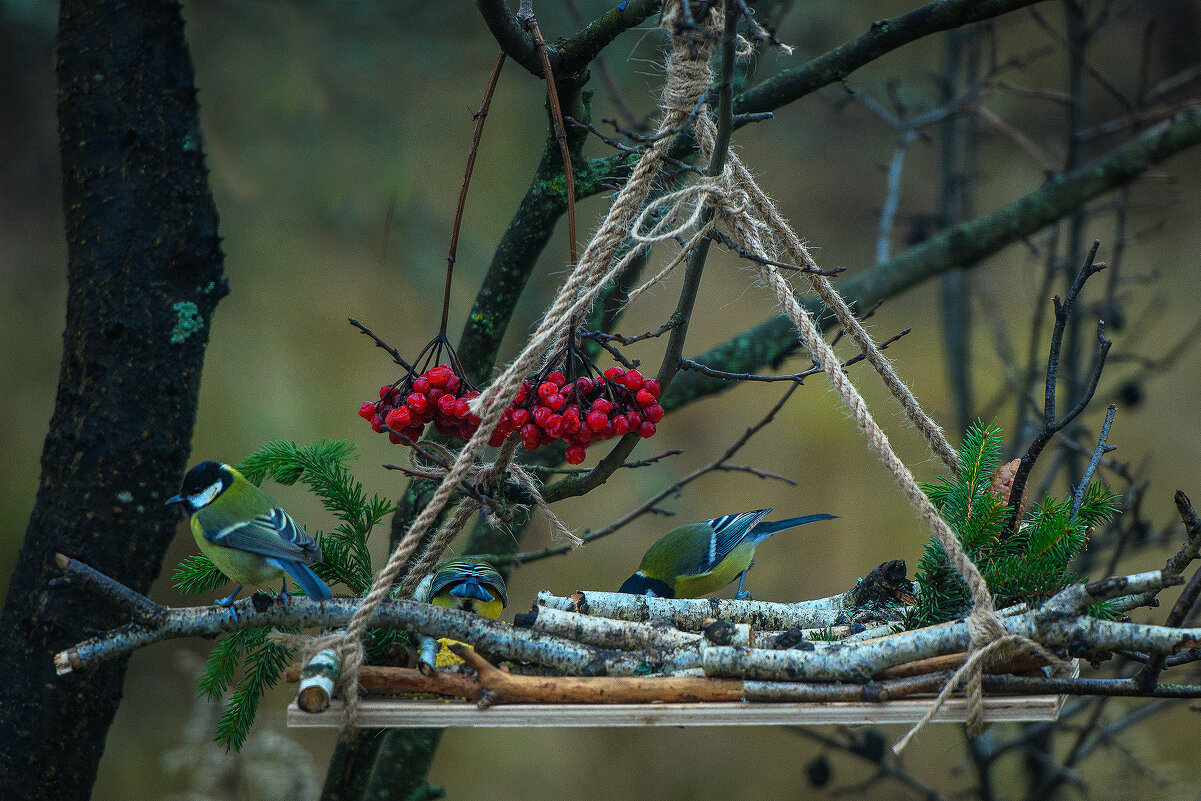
[{"x": 145, "y": 275}]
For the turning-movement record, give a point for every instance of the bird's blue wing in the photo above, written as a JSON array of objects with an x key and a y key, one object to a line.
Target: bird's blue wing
[
  {"x": 274, "y": 534},
  {"x": 726, "y": 532}
]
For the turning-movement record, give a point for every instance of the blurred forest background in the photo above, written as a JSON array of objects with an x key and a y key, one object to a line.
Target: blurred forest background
[{"x": 319, "y": 116}]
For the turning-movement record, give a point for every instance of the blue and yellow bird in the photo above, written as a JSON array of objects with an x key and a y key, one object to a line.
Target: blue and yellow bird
[
  {"x": 471, "y": 585},
  {"x": 699, "y": 558},
  {"x": 468, "y": 584},
  {"x": 247, "y": 536}
]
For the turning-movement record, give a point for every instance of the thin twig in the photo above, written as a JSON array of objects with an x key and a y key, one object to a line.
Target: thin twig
[
  {"x": 556, "y": 113},
  {"x": 1051, "y": 425},
  {"x": 479, "y": 117},
  {"x": 798, "y": 378},
  {"x": 379, "y": 343},
  {"x": 1102, "y": 448},
  {"x": 746, "y": 254},
  {"x": 640, "y": 463}
]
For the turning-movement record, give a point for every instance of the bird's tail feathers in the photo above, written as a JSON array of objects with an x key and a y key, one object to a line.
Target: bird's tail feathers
[
  {"x": 768, "y": 527},
  {"x": 471, "y": 589},
  {"x": 313, "y": 587}
]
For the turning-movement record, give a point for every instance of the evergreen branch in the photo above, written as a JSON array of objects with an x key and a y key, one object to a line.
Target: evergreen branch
[
  {"x": 264, "y": 668},
  {"x": 197, "y": 575},
  {"x": 222, "y": 664}
]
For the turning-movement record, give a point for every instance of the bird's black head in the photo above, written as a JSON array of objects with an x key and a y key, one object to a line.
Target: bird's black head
[
  {"x": 639, "y": 584},
  {"x": 202, "y": 484}
]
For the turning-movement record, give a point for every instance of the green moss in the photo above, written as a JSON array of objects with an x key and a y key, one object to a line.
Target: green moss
[{"x": 187, "y": 321}]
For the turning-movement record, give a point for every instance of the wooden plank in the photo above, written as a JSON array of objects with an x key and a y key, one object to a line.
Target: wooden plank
[{"x": 400, "y": 713}]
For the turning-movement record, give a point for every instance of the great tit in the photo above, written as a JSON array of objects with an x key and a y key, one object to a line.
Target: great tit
[
  {"x": 471, "y": 585},
  {"x": 468, "y": 584},
  {"x": 699, "y": 558},
  {"x": 248, "y": 537}
]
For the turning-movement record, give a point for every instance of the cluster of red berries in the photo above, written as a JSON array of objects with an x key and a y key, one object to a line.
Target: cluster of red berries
[
  {"x": 433, "y": 397},
  {"x": 578, "y": 412},
  {"x": 582, "y": 411}
]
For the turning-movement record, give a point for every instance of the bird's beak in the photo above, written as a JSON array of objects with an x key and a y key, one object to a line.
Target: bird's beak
[{"x": 176, "y": 499}]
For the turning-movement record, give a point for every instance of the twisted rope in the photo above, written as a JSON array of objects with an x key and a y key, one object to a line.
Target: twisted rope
[
  {"x": 750, "y": 215},
  {"x": 687, "y": 82}
]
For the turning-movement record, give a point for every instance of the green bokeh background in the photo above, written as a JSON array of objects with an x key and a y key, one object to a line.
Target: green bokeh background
[{"x": 317, "y": 116}]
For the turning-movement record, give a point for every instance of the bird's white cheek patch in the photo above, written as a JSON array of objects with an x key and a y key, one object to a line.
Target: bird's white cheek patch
[{"x": 205, "y": 496}]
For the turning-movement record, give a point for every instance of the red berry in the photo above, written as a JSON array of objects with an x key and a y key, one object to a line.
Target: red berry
[
  {"x": 367, "y": 410},
  {"x": 540, "y": 415},
  {"x": 421, "y": 384},
  {"x": 614, "y": 373},
  {"x": 395, "y": 439},
  {"x": 635, "y": 420},
  {"x": 414, "y": 431},
  {"x": 556, "y": 401},
  {"x": 498, "y": 437},
  {"x": 583, "y": 385},
  {"x": 399, "y": 418},
  {"x": 646, "y": 430},
  {"x": 443, "y": 427},
  {"x": 418, "y": 404},
  {"x": 621, "y": 426},
  {"x": 554, "y": 425},
  {"x": 602, "y": 405},
  {"x": 462, "y": 408},
  {"x": 575, "y": 454},
  {"x": 522, "y": 391},
  {"x": 474, "y": 419},
  {"x": 452, "y": 383},
  {"x": 531, "y": 436},
  {"x": 581, "y": 437},
  {"x": 654, "y": 413},
  {"x": 652, "y": 386},
  {"x": 546, "y": 389},
  {"x": 607, "y": 431},
  {"x": 571, "y": 419},
  {"x": 520, "y": 417},
  {"x": 383, "y": 391},
  {"x": 446, "y": 404},
  {"x": 377, "y": 424},
  {"x": 596, "y": 419},
  {"x": 644, "y": 398},
  {"x": 633, "y": 380},
  {"x": 556, "y": 378},
  {"x": 435, "y": 394},
  {"x": 439, "y": 376}
]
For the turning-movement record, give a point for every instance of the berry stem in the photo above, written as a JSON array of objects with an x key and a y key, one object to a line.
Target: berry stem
[
  {"x": 556, "y": 113},
  {"x": 480, "y": 116}
]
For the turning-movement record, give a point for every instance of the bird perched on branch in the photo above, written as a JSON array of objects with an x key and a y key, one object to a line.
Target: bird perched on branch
[
  {"x": 699, "y": 558},
  {"x": 244, "y": 533},
  {"x": 471, "y": 585},
  {"x": 468, "y": 584}
]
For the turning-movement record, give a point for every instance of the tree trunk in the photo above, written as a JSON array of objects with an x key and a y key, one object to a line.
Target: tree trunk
[{"x": 145, "y": 275}]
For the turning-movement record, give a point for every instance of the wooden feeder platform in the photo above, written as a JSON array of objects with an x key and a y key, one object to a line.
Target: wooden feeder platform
[
  {"x": 408, "y": 714},
  {"x": 454, "y": 713}
]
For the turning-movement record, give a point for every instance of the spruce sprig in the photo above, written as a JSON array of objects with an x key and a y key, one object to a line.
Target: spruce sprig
[{"x": 1030, "y": 565}]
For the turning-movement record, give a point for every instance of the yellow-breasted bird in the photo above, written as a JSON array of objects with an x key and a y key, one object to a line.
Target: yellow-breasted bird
[
  {"x": 249, "y": 538},
  {"x": 468, "y": 584},
  {"x": 471, "y": 585},
  {"x": 699, "y": 558}
]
